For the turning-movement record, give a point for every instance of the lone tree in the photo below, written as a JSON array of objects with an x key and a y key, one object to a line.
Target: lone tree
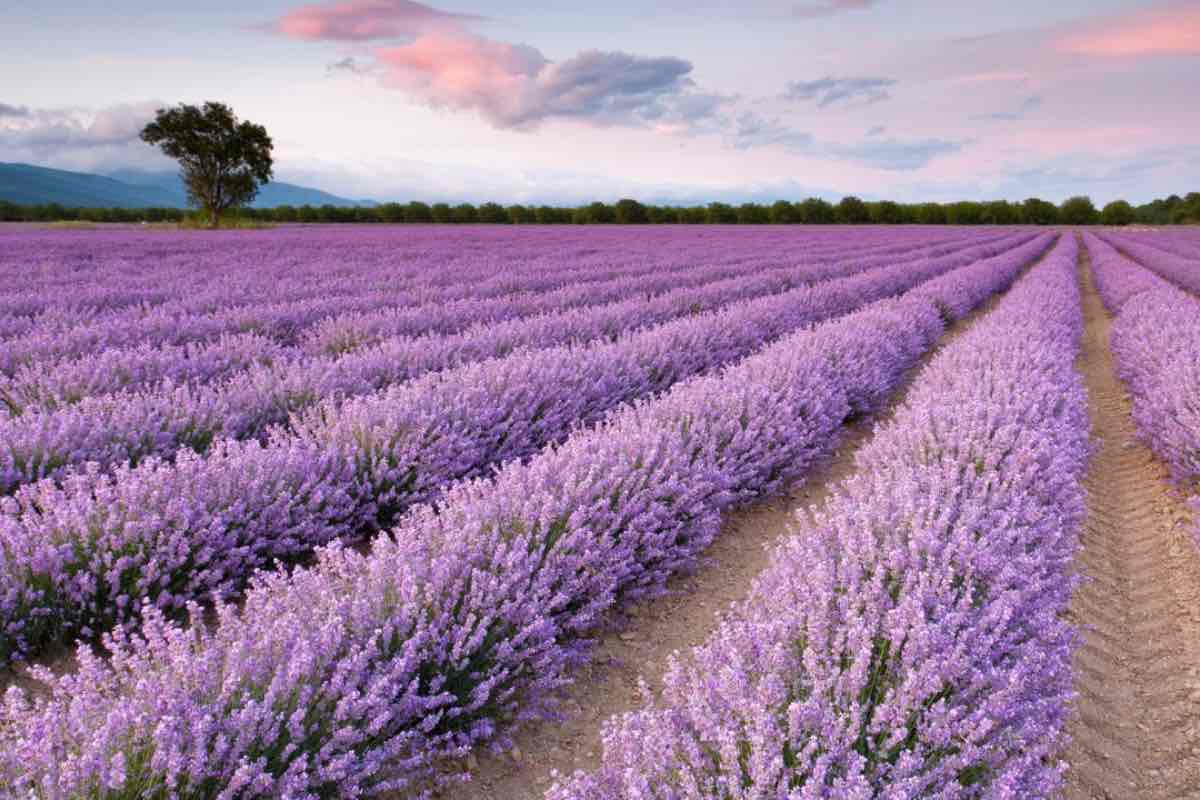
[{"x": 222, "y": 160}]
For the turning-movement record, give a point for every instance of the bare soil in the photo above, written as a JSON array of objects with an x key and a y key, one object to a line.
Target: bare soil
[
  {"x": 1136, "y": 727},
  {"x": 640, "y": 649}
]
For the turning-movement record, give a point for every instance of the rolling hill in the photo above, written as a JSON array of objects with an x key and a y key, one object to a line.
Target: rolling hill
[{"x": 27, "y": 184}]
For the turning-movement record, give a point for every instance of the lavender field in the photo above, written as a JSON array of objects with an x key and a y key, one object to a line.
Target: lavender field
[{"x": 626, "y": 513}]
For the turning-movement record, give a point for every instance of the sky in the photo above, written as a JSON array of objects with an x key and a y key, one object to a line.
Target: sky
[{"x": 547, "y": 101}]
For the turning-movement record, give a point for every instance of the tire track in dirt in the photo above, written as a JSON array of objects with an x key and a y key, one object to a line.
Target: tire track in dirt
[
  {"x": 683, "y": 619},
  {"x": 1135, "y": 732}
]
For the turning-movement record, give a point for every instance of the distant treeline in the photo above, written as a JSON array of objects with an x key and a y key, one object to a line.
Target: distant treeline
[{"x": 813, "y": 211}]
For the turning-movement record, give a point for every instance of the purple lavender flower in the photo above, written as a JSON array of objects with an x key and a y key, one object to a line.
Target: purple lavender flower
[
  {"x": 369, "y": 670},
  {"x": 1155, "y": 341},
  {"x": 909, "y": 641}
]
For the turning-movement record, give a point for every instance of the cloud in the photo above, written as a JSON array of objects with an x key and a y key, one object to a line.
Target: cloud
[
  {"x": 692, "y": 112},
  {"x": 512, "y": 86},
  {"x": 19, "y": 112},
  {"x": 79, "y": 138},
  {"x": 829, "y": 90},
  {"x": 1169, "y": 30},
  {"x": 366, "y": 20},
  {"x": 893, "y": 155},
  {"x": 516, "y": 87},
  {"x": 1137, "y": 176},
  {"x": 1062, "y": 173},
  {"x": 1031, "y": 103},
  {"x": 60, "y": 128},
  {"x": 752, "y": 130},
  {"x": 827, "y": 8},
  {"x": 351, "y": 65}
]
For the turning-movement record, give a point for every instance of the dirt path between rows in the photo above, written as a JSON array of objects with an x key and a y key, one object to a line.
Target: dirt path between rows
[
  {"x": 1136, "y": 728},
  {"x": 678, "y": 622}
]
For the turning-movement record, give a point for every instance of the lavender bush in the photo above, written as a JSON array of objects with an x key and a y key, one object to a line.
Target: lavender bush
[
  {"x": 910, "y": 640},
  {"x": 112, "y": 430},
  {"x": 367, "y": 671},
  {"x": 61, "y": 280},
  {"x": 99, "y": 549},
  {"x": 1178, "y": 269},
  {"x": 573, "y": 313},
  {"x": 351, "y": 331},
  {"x": 1155, "y": 341}
]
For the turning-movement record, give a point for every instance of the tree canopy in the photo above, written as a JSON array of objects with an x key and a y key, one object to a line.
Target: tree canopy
[
  {"x": 853, "y": 211},
  {"x": 1078, "y": 211},
  {"x": 812, "y": 211},
  {"x": 223, "y": 160},
  {"x": 1118, "y": 212}
]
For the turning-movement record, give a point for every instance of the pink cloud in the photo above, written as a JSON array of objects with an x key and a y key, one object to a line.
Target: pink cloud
[
  {"x": 515, "y": 86},
  {"x": 465, "y": 72},
  {"x": 365, "y": 20},
  {"x": 1174, "y": 30},
  {"x": 444, "y": 65}
]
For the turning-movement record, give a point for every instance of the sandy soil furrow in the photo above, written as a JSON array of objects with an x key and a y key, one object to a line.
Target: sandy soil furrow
[{"x": 1136, "y": 729}]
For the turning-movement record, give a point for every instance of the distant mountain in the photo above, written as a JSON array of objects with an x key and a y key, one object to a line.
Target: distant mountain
[
  {"x": 275, "y": 193},
  {"x": 27, "y": 184}
]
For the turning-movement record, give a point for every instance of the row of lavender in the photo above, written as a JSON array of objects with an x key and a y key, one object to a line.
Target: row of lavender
[
  {"x": 342, "y": 334},
  {"x": 40, "y": 380},
  {"x": 1156, "y": 343},
  {"x": 366, "y": 672},
  {"x": 59, "y": 353},
  {"x": 100, "y": 275},
  {"x": 1180, "y": 242},
  {"x": 97, "y": 550},
  {"x": 48, "y": 372},
  {"x": 130, "y": 426},
  {"x": 1159, "y": 254},
  {"x": 44, "y": 369},
  {"x": 39, "y": 259},
  {"x": 286, "y": 316},
  {"x": 910, "y": 640},
  {"x": 286, "y": 311}
]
